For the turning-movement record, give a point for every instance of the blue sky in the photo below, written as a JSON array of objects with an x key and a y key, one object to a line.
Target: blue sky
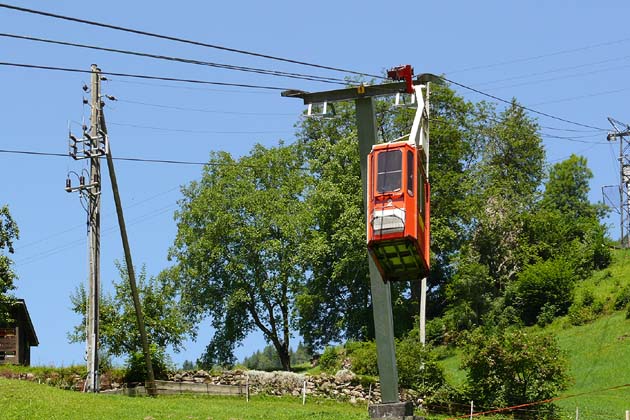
[{"x": 566, "y": 58}]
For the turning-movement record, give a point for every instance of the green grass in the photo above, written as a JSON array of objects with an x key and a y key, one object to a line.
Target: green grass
[{"x": 27, "y": 400}]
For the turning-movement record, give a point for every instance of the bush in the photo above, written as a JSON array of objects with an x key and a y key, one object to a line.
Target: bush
[
  {"x": 623, "y": 298},
  {"x": 547, "y": 314},
  {"x": 548, "y": 282},
  {"x": 136, "y": 370},
  {"x": 417, "y": 367},
  {"x": 330, "y": 360},
  {"x": 513, "y": 367},
  {"x": 363, "y": 357}
]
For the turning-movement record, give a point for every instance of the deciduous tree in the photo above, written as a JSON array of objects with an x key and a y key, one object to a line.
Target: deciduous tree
[
  {"x": 8, "y": 233},
  {"x": 237, "y": 250}
]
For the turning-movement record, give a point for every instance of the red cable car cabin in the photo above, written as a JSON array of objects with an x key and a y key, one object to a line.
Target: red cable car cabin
[{"x": 398, "y": 211}]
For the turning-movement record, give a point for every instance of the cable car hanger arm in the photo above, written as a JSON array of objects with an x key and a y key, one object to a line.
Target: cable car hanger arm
[{"x": 347, "y": 94}]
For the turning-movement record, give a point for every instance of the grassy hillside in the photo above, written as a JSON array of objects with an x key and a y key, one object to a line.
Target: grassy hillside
[
  {"x": 598, "y": 351},
  {"x": 28, "y": 400}
]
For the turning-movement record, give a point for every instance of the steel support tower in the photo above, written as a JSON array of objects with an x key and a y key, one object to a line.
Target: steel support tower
[{"x": 622, "y": 133}]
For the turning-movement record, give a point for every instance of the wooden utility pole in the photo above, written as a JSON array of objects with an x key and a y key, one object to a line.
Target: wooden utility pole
[
  {"x": 150, "y": 385},
  {"x": 94, "y": 215},
  {"x": 92, "y": 146}
]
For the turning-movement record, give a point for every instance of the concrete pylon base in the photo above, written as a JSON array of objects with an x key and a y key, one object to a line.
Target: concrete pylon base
[{"x": 393, "y": 411}]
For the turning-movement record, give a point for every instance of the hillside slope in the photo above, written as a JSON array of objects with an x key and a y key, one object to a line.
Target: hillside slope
[{"x": 598, "y": 348}]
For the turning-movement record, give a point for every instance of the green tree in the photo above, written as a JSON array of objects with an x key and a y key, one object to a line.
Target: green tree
[
  {"x": 546, "y": 284},
  {"x": 567, "y": 187},
  {"x": 512, "y": 367},
  {"x": 237, "y": 250},
  {"x": 578, "y": 234},
  {"x": 8, "y": 233},
  {"x": 119, "y": 336},
  {"x": 505, "y": 183}
]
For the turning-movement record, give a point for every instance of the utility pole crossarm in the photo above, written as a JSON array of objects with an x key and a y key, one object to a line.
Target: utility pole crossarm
[{"x": 358, "y": 92}]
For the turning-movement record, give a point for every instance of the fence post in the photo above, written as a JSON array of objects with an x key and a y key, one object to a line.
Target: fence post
[
  {"x": 471, "y": 409},
  {"x": 627, "y": 414},
  {"x": 577, "y": 413},
  {"x": 304, "y": 393},
  {"x": 247, "y": 388}
]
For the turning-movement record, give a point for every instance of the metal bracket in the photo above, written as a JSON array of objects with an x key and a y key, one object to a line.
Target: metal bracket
[
  {"x": 313, "y": 111},
  {"x": 83, "y": 148}
]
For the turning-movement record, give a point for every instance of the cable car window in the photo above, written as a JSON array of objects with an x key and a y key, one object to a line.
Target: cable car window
[
  {"x": 389, "y": 171},
  {"x": 410, "y": 173}
]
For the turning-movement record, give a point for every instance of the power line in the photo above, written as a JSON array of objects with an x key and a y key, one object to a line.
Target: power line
[
  {"x": 185, "y": 130},
  {"x": 556, "y": 70},
  {"x": 182, "y": 40},
  {"x": 537, "y": 57},
  {"x": 210, "y": 111},
  {"x": 131, "y": 159},
  {"x": 145, "y": 160},
  {"x": 194, "y": 88},
  {"x": 589, "y": 95},
  {"x": 141, "y": 76},
  {"x": 184, "y": 60},
  {"x": 21, "y": 247},
  {"x": 525, "y": 108},
  {"x": 194, "y": 81},
  {"x": 567, "y": 76}
]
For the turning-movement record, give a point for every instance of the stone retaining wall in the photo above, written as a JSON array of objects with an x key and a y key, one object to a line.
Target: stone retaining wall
[{"x": 344, "y": 385}]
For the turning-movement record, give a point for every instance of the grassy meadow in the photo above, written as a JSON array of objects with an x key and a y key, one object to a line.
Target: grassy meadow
[{"x": 32, "y": 401}]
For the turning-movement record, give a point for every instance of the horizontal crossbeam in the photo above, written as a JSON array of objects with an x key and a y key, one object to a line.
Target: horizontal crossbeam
[{"x": 358, "y": 91}]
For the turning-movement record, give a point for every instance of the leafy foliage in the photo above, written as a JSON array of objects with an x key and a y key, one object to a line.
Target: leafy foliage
[
  {"x": 514, "y": 367},
  {"x": 240, "y": 230},
  {"x": 136, "y": 368},
  {"x": 547, "y": 284},
  {"x": 119, "y": 335},
  {"x": 8, "y": 233}
]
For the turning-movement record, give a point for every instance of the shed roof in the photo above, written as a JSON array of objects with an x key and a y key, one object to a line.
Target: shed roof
[{"x": 20, "y": 312}]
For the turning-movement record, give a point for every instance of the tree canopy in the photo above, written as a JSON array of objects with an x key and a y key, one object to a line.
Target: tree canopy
[
  {"x": 119, "y": 335},
  {"x": 237, "y": 250},
  {"x": 9, "y": 232}
]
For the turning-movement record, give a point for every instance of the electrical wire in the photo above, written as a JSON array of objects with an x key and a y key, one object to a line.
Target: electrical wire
[
  {"x": 278, "y": 73},
  {"x": 104, "y": 232},
  {"x": 210, "y": 111},
  {"x": 193, "y": 88},
  {"x": 525, "y": 108},
  {"x": 145, "y": 160},
  {"x": 590, "y": 95},
  {"x": 567, "y": 76},
  {"x": 21, "y": 247},
  {"x": 556, "y": 70},
  {"x": 537, "y": 57},
  {"x": 182, "y": 40},
  {"x": 184, "y": 130},
  {"x": 142, "y": 76}
]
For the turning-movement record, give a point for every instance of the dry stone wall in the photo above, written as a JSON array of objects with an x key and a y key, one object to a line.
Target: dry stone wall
[{"x": 344, "y": 385}]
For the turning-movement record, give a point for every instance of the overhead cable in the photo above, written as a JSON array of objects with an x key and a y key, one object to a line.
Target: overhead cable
[
  {"x": 181, "y": 40},
  {"x": 533, "y": 111},
  {"x": 134, "y": 159},
  {"x": 537, "y": 57},
  {"x": 142, "y": 76},
  {"x": 210, "y": 111},
  {"x": 314, "y": 78}
]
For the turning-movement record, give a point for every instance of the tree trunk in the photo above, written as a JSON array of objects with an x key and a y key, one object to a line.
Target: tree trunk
[{"x": 285, "y": 357}]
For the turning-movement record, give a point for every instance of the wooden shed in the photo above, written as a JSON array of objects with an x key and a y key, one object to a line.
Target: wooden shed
[{"x": 17, "y": 338}]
